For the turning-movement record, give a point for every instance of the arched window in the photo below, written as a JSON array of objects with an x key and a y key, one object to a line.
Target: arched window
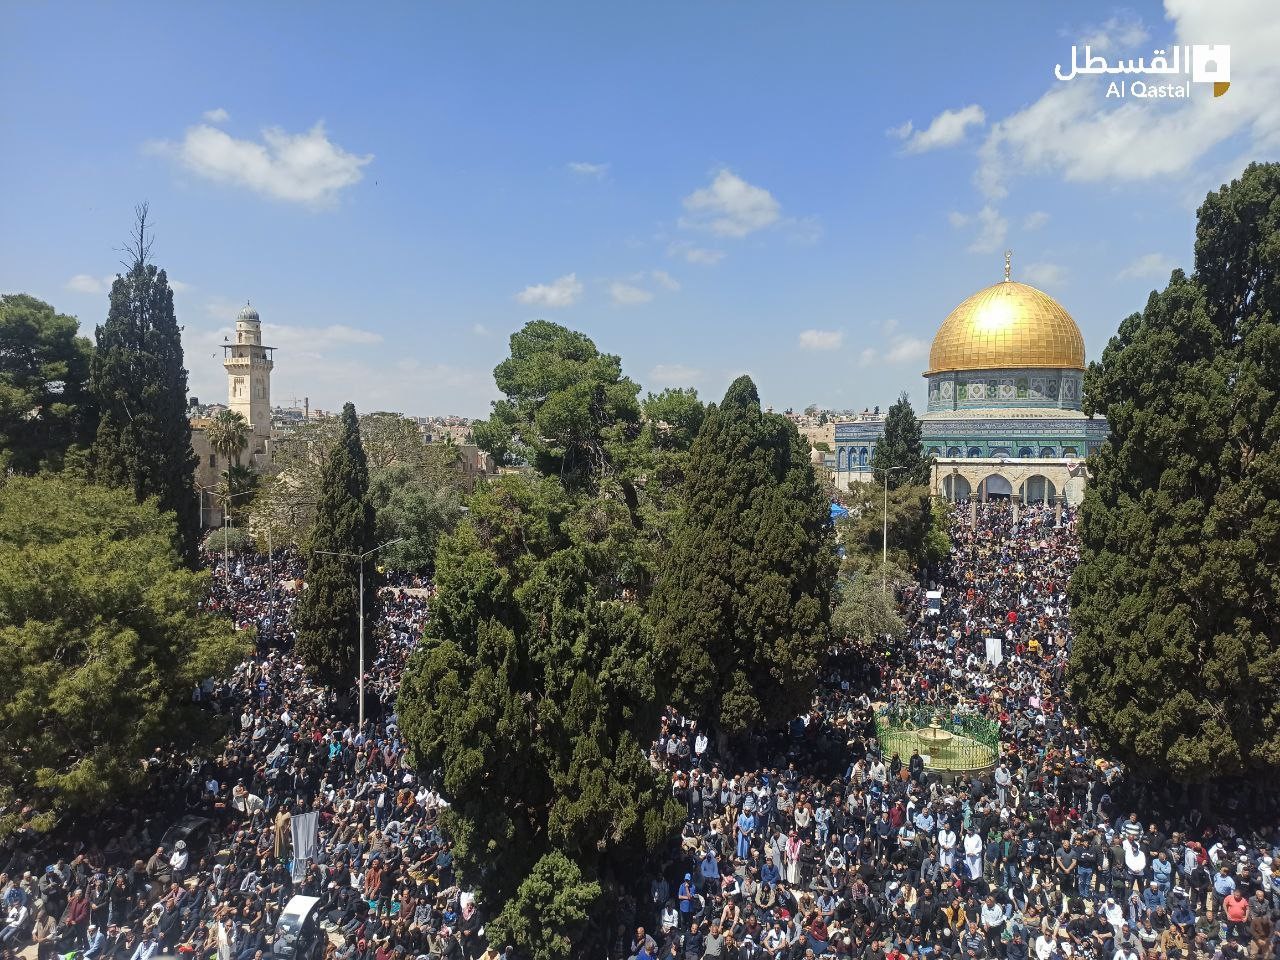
[
  {"x": 999, "y": 452},
  {"x": 974, "y": 452},
  {"x": 1048, "y": 452},
  {"x": 1037, "y": 489},
  {"x": 935, "y": 451},
  {"x": 1069, "y": 452},
  {"x": 996, "y": 486},
  {"x": 862, "y": 457},
  {"x": 956, "y": 487},
  {"x": 954, "y": 452},
  {"x": 1024, "y": 452}
]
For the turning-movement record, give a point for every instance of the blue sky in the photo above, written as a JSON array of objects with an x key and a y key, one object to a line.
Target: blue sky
[{"x": 705, "y": 188}]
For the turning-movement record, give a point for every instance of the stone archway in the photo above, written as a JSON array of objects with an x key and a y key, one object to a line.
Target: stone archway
[
  {"x": 956, "y": 487},
  {"x": 1037, "y": 488},
  {"x": 995, "y": 486}
]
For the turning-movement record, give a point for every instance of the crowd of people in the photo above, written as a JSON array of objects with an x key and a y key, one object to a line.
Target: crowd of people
[
  {"x": 383, "y": 873},
  {"x": 817, "y": 843},
  {"x": 1047, "y": 852}
]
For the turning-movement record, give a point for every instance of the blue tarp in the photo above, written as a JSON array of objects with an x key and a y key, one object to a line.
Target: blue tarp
[{"x": 838, "y": 511}]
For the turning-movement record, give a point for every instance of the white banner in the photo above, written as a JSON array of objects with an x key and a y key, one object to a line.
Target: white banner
[{"x": 995, "y": 651}]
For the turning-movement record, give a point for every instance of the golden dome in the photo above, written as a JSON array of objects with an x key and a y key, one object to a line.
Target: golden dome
[{"x": 1009, "y": 325}]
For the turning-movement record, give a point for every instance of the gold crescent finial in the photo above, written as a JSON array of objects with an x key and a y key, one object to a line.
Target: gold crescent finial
[{"x": 1008, "y": 260}]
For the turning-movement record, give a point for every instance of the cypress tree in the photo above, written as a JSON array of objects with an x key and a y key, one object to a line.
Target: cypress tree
[
  {"x": 1174, "y": 601},
  {"x": 326, "y": 619},
  {"x": 744, "y": 597},
  {"x": 143, "y": 440},
  {"x": 535, "y": 697},
  {"x": 900, "y": 446}
]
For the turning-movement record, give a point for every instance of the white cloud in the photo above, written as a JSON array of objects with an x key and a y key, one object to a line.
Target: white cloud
[
  {"x": 730, "y": 207},
  {"x": 958, "y": 219},
  {"x": 597, "y": 171},
  {"x": 821, "y": 339},
  {"x": 888, "y": 326},
  {"x": 1117, "y": 32},
  {"x": 480, "y": 330},
  {"x": 692, "y": 254},
  {"x": 216, "y": 115},
  {"x": 562, "y": 292},
  {"x": 665, "y": 280},
  {"x": 1044, "y": 274},
  {"x": 306, "y": 168},
  {"x": 674, "y": 375},
  {"x": 625, "y": 294},
  {"x": 1035, "y": 220},
  {"x": 901, "y": 131},
  {"x": 867, "y": 357},
  {"x": 177, "y": 286},
  {"x": 805, "y": 230},
  {"x": 1149, "y": 266},
  {"x": 992, "y": 229},
  {"x": 945, "y": 130},
  {"x": 1073, "y": 130},
  {"x": 316, "y": 338},
  {"x": 87, "y": 283},
  {"x": 437, "y": 374},
  {"x": 906, "y": 348}
]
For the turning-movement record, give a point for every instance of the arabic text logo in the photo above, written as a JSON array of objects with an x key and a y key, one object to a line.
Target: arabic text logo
[{"x": 1204, "y": 62}]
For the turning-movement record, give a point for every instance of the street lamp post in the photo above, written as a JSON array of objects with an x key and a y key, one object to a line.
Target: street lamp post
[
  {"x": 360, "y": 558},
  {"x": 225, "y": 499},
  {"x": 884, "y": 548}
]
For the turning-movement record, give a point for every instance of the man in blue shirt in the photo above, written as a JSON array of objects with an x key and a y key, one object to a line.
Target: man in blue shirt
[
  {"x": 709, "y": 871},
  {"x": 1224, "y": 883},
  {"x": 769, "y": 874},
  {"x": 148, "y": 948},
  {"x": 685, "y": 895}
]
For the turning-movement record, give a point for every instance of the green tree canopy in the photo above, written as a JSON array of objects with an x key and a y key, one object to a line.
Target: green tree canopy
[
  {"x": 537, "y": 694},
  {"x": 673, "y": 418},
  {"x": 744, "y": 594},
  {"x": 1176, "y": 660},
  {"x": 397, "y": 457},
  {"x": 143, "y": 439},
  {"x": 900, "y": 446},
  {"x": 418, "y": 504},
  {"x": 45, "y": 405},
  {"x": 104, "y": 641},
  {"x": 660, "y": 457},
  {"x": 548, "y": 915},
  {"x": 916, "y": 528},
  {"x": 327, "y": 615},
  {"x": 566, "y": 410},
  {"x": 864, "y": 611}
]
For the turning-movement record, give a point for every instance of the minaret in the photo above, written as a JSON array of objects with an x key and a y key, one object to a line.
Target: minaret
[{"x": 248, "y": 364}]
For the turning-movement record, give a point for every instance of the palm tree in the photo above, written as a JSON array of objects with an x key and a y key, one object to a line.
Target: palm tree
[{"x": 229, "y": 434}]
